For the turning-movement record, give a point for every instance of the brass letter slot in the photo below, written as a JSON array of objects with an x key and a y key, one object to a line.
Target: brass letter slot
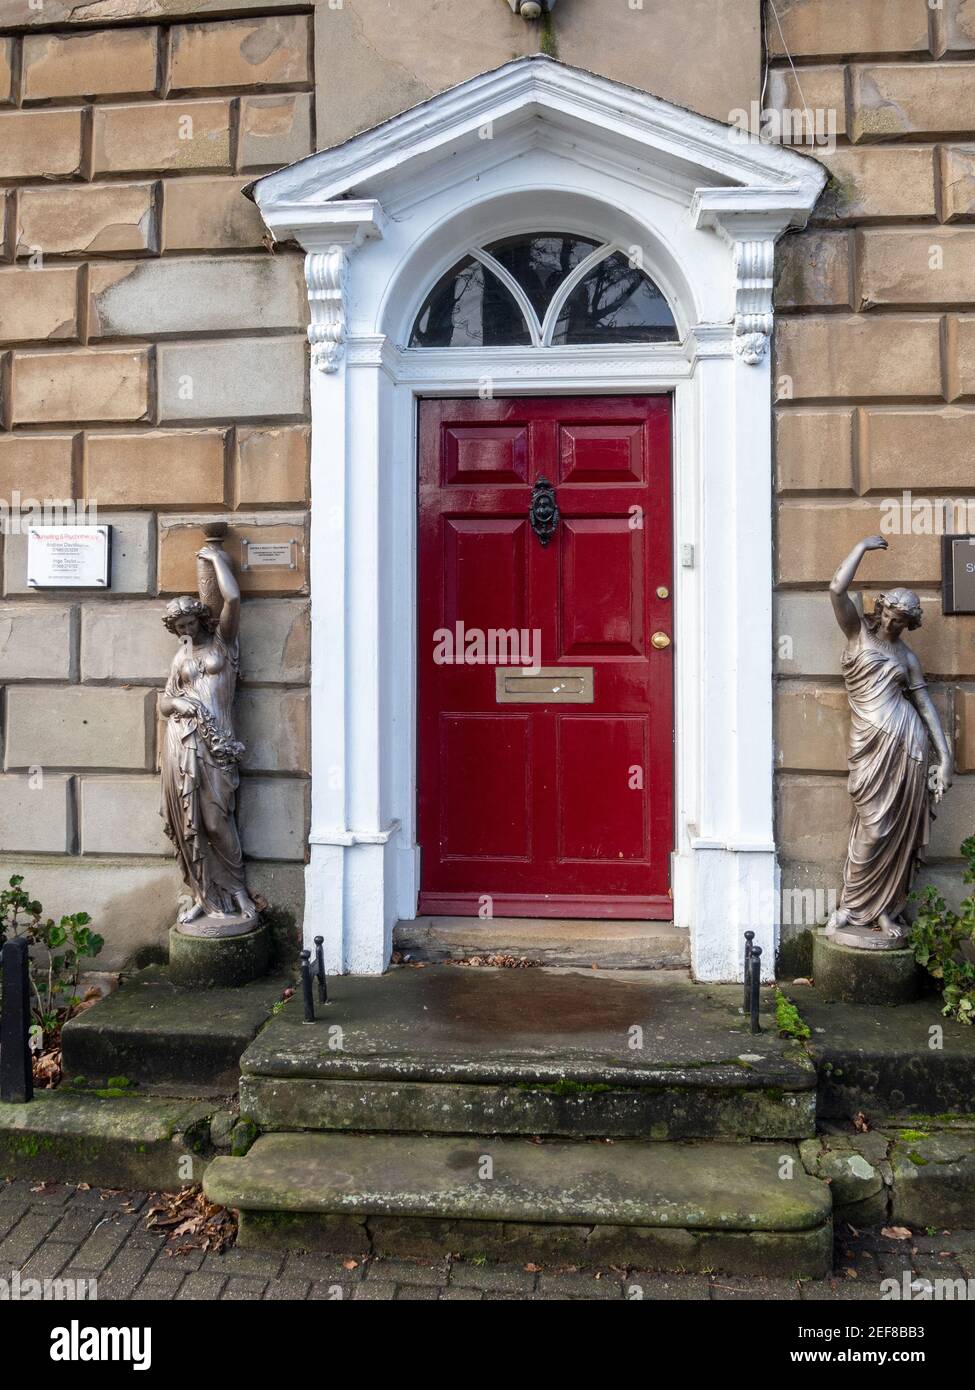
[{"x": 543, "y": 685}]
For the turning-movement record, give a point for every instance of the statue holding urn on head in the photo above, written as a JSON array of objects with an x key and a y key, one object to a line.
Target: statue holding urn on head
[
  {"x": 894, "y": 728},
  {"x": 201, "y": 753}
]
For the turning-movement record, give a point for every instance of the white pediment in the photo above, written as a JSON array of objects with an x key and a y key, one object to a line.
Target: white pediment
[{"x": 720, "y": 171}]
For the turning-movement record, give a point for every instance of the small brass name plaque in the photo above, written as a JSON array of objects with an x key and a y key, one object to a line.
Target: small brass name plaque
[{"x": 543, "y": 685}]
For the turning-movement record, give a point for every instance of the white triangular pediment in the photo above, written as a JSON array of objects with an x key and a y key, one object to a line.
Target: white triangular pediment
[{"x": 538, "y": 101}]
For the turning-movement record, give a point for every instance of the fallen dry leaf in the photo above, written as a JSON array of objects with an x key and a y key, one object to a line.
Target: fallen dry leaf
[
  {"x": 350, "y": 1264},
  {"x": 860, "y": 1123},
  {"x": 896, "y": 1232}
]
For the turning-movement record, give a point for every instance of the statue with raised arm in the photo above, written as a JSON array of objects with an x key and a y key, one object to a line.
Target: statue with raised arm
[
  {"x": 894, "y": 726},
  {"x": 200, "y": 752}
]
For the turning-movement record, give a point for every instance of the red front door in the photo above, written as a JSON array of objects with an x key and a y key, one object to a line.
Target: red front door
[{"x": 548, "y": 792}]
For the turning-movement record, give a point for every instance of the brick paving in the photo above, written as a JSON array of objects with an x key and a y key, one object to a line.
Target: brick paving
[{"x": 57, "y": 1231}]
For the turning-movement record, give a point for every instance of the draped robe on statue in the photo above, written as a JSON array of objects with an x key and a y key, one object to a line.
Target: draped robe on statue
[
  {"x": 200, "y": 776},
  {"x": 888, "y": 761}
]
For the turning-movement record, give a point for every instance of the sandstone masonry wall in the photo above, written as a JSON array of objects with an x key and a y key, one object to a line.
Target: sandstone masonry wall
[
  {"x": 875, "y": 382},
  {"x": 153, "y": 362}
]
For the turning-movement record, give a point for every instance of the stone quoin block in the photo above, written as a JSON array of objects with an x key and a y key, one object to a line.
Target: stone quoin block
[
  {"x": 955, "y": 819},
  {"x": 897, "y": 99},
  {"x": 813, "y": 537},
  {"x": 813, "y": 819},
  {"x": 960, "y": 352},
  {"x": 820, "y": 89},
  {"x": 85, "y": 220},
  {"x": 186, "y": 295},
  {"x": 965, "y": 728},
  {"x": 180, "y": 537},
  {"x": 133, "y": 905},
  {"x": 825, "y": 28},
  {"x": 34, "y": 814},
  {"x": 125, "y": 642},
  {"x": 959, "y": 25},
  {"x": 161, "y": 136},
  {"x": 274, "y": 130},
  {"x": 894, "y": 182},
  {"x": 120, "y": 815},
  {"x": 807, "y": 640},
  {"x": 38, "y": 304},
  {"x": 35, "y": 641},
  {"x": 245, "y": 379},
  {"x": 812, "y": 724},
  {"x": 96, "y": 385},
  {"x": 892, "y": 441},
  {"x": 33, "y": 141},
  {"x": 77, "y": 727},
  {"x": 209, "y": 214},
  {"x": 6, "y": 71},
  {"x": 132, "y": 556},
  {"x": 906, "y": 268},
  {"x": 814, "y": 450},
  {"x": 273, "y": 817},
  {"x": 158, "y": 467},
  {"x": 813, "y": 271},
  {"x": 275, "y": 641},
  {"x": 842, "y": 356},
  {"x": 273, "y": 725},
  {"x": 272, "y": 466},
  {"x": 37, "y": 466},
  {"x": 101, "y": 62},
  {"x": 956, "y": 168},
  {"x": 273, "y": 50}
]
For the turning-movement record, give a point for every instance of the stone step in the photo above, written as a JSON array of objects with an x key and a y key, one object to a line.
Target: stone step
[
  {"x": 107, "y": 1140},
  {"x": 739, "y": 1208},
  {"x": 455, "y": 1050},
  {"x": 154, "y": 1033},
  {"x": 556, "y": 941}
]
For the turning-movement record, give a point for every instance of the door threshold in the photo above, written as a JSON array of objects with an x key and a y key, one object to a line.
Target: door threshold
[{"x": 611, "y": 945}]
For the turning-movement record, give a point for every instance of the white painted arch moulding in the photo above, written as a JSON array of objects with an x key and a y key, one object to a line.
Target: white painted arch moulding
[{"x": 536, "y": 146}]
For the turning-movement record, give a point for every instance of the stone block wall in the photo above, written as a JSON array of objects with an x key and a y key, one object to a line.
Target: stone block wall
[
  {"x": 153, "y": 363},
  {"x": 875, "y": 383}
]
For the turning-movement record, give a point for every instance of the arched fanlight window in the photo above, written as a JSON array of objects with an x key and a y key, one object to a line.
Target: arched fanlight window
[{"x": 542, "y": 289}]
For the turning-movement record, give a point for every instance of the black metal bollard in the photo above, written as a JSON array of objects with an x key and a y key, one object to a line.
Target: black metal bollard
[
  {"x": 755, "y": 969},
  {"x": 16, "y": 1073},
  {"x": 320, "y": 970},
  {"x": 306, "y": 994},
  {"x": 749, "y": 938}
]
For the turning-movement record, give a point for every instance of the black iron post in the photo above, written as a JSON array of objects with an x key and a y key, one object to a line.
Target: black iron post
[
  {"x": 749, "y": 938},
  {"x": 755, "y": 967},
  {"x": 307, "y": 997},
  {"x": 16, "y": 1074},
  {"x": 320, "y": 969}
]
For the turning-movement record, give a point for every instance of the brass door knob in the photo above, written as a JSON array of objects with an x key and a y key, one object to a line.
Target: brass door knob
[{"x": 660, "y": 640}]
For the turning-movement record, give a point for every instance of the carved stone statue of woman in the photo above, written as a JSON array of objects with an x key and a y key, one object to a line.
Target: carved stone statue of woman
[
  {"x": 201, "y": 754},
  {"x": 893, "y": 726}
]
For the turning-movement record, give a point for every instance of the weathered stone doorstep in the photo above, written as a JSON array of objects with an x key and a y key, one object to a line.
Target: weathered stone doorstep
[
  {"x": 154, "y": 1033},
  {"x": 880, "y": 1060},
  {"x": 685, "y": 1206},
  {"x": 117, "y": 1141},
  {"x": 608, "y": 945}
]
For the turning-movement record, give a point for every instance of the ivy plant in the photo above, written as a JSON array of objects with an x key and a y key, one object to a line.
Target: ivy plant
[{"x": 944, "y": 942}]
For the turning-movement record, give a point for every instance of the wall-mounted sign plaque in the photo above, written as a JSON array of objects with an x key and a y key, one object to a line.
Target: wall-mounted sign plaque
[
  {"x": 268, "y": 555},
  {"x": 69, "y": 557},
  {"x": 958, "y": 574}
]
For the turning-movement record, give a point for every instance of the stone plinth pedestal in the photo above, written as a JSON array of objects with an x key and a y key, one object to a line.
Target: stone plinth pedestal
[
  {"x": 853, "y": 975},
  {"x": 215, "y": 962}
]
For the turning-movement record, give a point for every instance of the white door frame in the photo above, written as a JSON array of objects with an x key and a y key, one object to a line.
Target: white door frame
[{"x": 535, "y": 146}]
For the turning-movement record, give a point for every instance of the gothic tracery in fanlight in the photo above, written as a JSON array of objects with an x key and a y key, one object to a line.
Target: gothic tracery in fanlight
[{"x": 544, "y": 289}]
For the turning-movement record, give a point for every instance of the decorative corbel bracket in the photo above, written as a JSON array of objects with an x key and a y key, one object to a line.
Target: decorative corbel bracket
[
  {"x": 329, "y": 233},
  {"x": 750, "y": 221}
]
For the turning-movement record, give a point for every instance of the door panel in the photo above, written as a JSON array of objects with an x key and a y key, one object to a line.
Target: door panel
[{"x": 544, "y": 807}]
